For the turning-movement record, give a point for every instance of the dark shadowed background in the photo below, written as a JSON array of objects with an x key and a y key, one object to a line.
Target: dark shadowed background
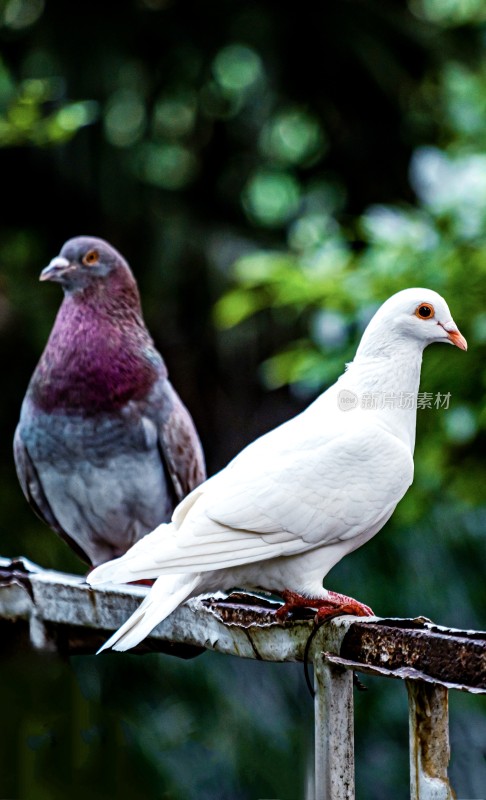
[{"x": 271, "y": 176}]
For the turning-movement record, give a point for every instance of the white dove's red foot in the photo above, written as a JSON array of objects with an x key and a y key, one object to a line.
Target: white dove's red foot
[{"x": 333, "y": 606}]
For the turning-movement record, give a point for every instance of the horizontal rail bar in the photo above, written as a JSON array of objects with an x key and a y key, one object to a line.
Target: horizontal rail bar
[
  {"x": 416, "y": 650},
  {"x": 60, "y": 611}
]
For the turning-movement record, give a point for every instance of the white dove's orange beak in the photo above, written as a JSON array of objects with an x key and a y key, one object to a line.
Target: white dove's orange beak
[{"x": 454, "y": 335}]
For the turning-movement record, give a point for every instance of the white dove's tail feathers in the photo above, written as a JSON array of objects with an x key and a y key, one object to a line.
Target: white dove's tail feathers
[
  {"x": 121, "y": 570},
  {"x": 166, "y": 594}
]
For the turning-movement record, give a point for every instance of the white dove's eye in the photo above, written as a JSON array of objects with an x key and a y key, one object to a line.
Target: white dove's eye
[
  {"x": 425, "y": 311},
  {"x": 91, "y": 257}
]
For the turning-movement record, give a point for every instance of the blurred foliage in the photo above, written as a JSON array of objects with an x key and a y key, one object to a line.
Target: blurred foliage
[
  {"x": 272, "y": 175},
  {"x": 83, "y": 731},
  {"x": 26, "y": 116}
]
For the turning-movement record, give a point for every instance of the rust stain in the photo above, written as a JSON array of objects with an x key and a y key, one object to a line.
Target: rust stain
[
  {"x": 402, "y": 673},
  {"x": 92, "y": 599},
  {"x": 243, "y": 610},
  {"x": 431, "y": 711},
  {"x": 429, "y": 742},
  {"x": 253, "y": 645},
  {"x": 452, "y": 657}
]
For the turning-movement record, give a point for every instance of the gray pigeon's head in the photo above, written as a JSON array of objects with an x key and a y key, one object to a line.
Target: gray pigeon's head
[{"x": 83, "y": 261}]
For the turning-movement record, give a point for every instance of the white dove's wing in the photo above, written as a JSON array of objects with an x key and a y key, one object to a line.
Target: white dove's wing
[
  {"x": 320, "y": 494},
  {"x": 277, "y": 504},
  {"x": 316, "y": 495}
]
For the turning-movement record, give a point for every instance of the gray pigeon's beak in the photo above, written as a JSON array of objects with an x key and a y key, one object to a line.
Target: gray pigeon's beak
[
  {"x": 56, "y": 269},
  {"x": 454, "y": 335}
]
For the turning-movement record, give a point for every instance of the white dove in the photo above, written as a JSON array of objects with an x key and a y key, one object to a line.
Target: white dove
[{"x": 295, "y": 501}]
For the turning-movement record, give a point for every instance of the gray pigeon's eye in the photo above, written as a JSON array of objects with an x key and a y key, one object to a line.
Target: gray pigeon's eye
[
  {"x": 91, "y": 257},
  {"x": 425, "y": 311}
]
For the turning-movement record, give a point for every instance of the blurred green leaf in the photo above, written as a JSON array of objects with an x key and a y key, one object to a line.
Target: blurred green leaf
[{"x": 25, "y": 117}]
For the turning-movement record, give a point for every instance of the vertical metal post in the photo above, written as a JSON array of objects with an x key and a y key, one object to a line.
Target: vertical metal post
[
  {"x": 429, "y": 741},
  {"x": 334, "y": 731}
]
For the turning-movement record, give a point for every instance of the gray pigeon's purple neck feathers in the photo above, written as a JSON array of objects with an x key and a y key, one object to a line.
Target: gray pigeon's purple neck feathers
[{"x": 99, "y": 355}]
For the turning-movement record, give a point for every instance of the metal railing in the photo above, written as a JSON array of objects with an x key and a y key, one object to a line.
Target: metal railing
[{"x": 58, "y": 612}]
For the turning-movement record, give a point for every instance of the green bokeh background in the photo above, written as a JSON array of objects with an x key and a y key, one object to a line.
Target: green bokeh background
[{"x": 272, "y": 174}]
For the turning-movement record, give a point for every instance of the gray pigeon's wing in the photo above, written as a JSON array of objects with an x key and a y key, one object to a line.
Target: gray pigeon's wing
[
  {"x": 179, "y": 444},
  {"x": 32, "y": 488}
]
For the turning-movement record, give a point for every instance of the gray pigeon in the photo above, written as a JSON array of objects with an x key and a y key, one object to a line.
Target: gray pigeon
[{"x": 104, "y": 449}]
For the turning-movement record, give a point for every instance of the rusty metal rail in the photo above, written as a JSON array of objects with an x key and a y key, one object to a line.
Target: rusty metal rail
[{"x": 58, "y": 612}]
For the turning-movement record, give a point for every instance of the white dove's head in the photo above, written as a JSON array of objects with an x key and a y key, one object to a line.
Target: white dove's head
[{"x": 418, "y": 315}]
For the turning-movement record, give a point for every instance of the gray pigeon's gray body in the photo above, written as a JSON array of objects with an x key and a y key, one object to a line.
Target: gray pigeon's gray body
[{"x": 104, "y": 448}]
